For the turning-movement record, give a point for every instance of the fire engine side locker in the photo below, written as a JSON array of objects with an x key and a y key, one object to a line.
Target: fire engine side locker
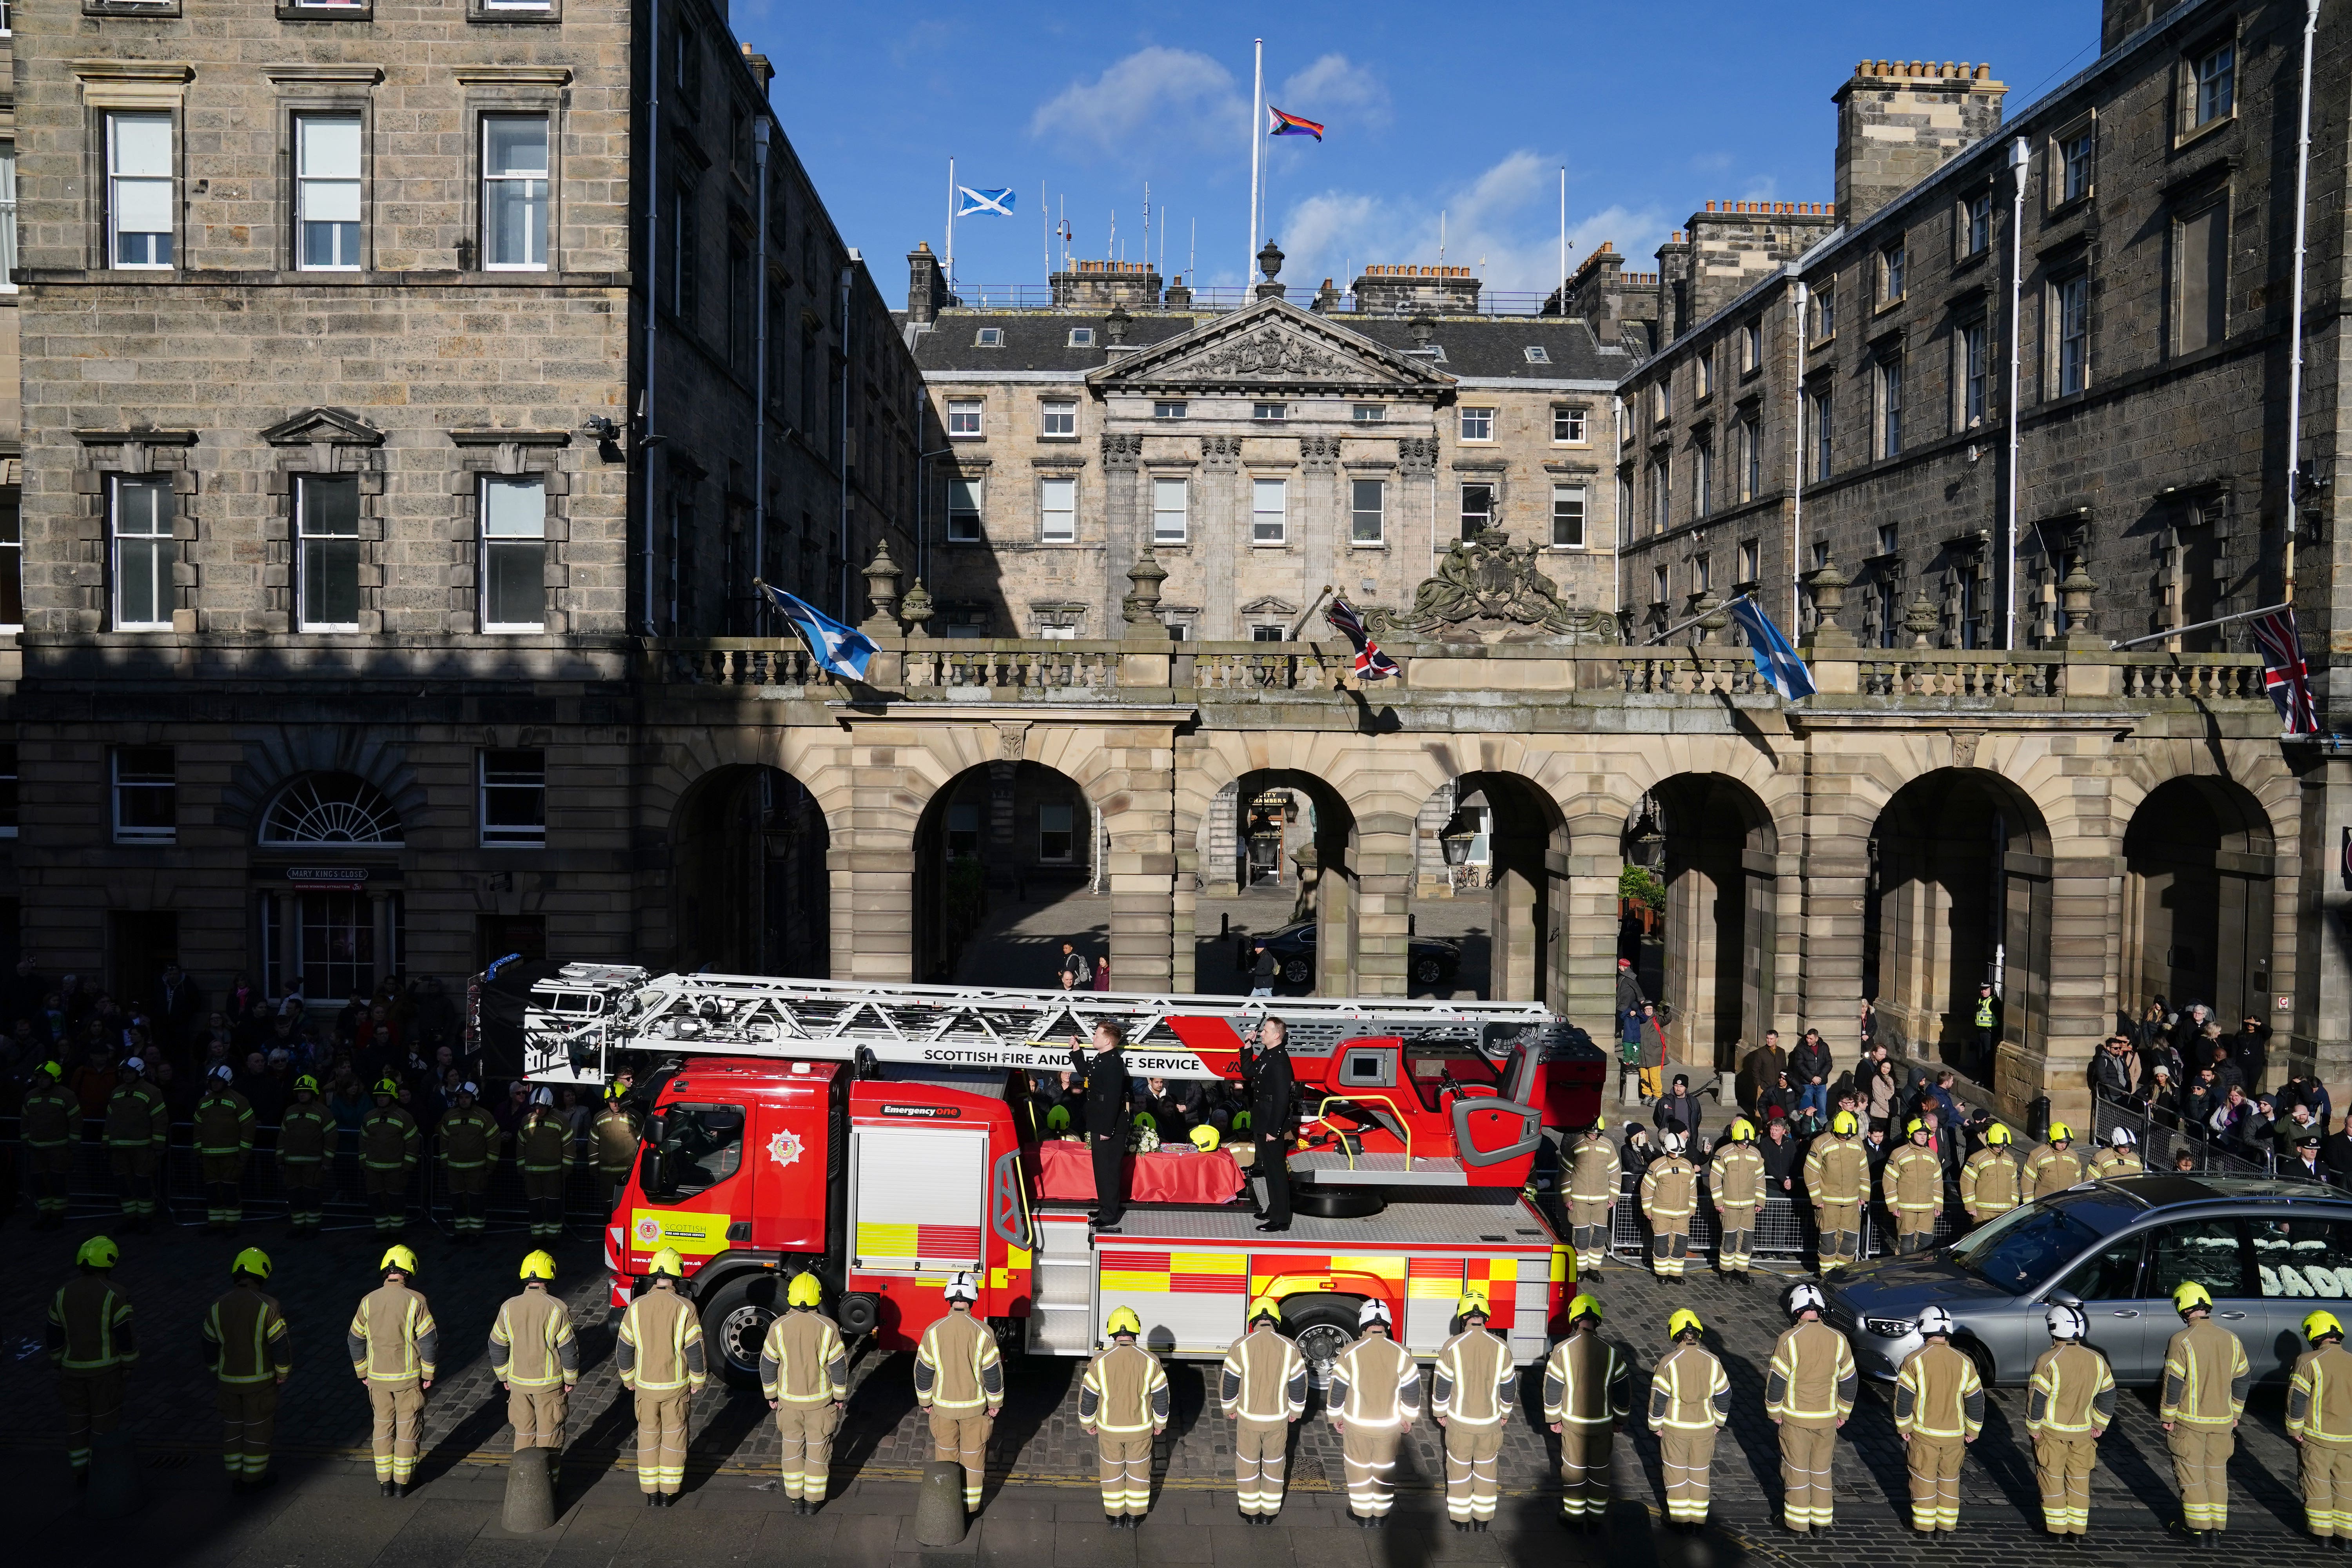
[{"x": 916, "y": 1198}]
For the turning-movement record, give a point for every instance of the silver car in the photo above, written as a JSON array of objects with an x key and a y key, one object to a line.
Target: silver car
[{"x": 2270, "y": 1252}]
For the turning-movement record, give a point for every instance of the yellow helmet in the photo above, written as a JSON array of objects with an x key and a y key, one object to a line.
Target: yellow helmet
[
  {"x": 2319, "y": 1325},
  {"x": 1474, "y": 1301},
  {"x": 1265, "y": 1307},
  {"x": 2061, "y": 1133},
  {"x": 1586, "y": 1305},
  {"x": 803, "y": 1291},
  {"x": 306, "y": 1082},
  {"x": 1204, "y": 1138},
  {"x": 386, "y": 1086},
  {"x": 614, "y": 1092},
  {"x": 99, "y": 1252},
  {"x": 55, "y": 1072},
  {"x": 1599, "y": 1123},
  {"x": 537, "y": 1265},
  {"x": 252, "y": 1261},
  {"x": 1843, "y": 1124},
  {"x": 1997, "y": 1134},
  {"x": 1684, "y": 1321},
  {"x": 397, "y": 1259},
  {"x": 2189, "y": 1296},
  {"x": 1123, "y": 1320},
  {"x": 1915, "y": 1128},
  {"x": 668, "y": 1261},
  {"x": 1742, "y": 1129}
]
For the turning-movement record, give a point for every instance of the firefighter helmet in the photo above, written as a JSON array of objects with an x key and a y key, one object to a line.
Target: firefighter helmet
[
  {"x": 1671, "y": 1142},
  {"x": 252, "y": 1261},
  {"x": 222, "y": 1073},
  {"x": 1742, "y": 1129},
  {"x": 2321, "y": 1325},
  {"x": 1684, "y": 1321},
  {"x": 306, "y": 1082},
  {"x": 1123, "y": 1320},
  {"x": 1474, "y": 1304},
  {"x": 615, "y": 1090},
  {"x": 1995, "y": 1136},
  {"x": 397, "y": 1259},
  {"x": 1204, "y": 1138},
  {"x": 1803, "y": 1297},
  {"x": 667, "y": 1264},
  {"x": 2190, "y": 1296},
  {"x": 2121, "y": 1137},
  {"x": 1242, "y": 1123},
  {"x": 962, "y": 1287},
  {"x": 1915, "y": 1128},
  {"x": 537, "y": 1264},
  {"x": 384, "y": 1086},
  {"x": 2061, "y": 1133},
  {"x": 99, "y": 1252},
  {"x": 2067, "y": 1322},
  {"x": 1843, "y": 1124},
  {"x": 1933, "y": 1321},
  {"x": 55, "y": 1071},
  {"x": 803, "y": 1291},
  {"x": 1585, "y": 1305},
  {"x": 1265, "y": 1307},
  {"x": 1057, "y": 1119},
  {"x": 1600, "y": 1123},
  {"x": 1373, "y": 1311}
]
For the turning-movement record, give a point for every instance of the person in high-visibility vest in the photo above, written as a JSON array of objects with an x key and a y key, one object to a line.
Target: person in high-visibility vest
[
  {"x": 1988, "y": 1026},
  {"x": 1809, "y": 1393},
  {"x": 223, "y": 1137},
  {"x": 1911, "y": 1186},
  {"x": 1262, "y": 1389},
  {"x": 2205, "y": 1378},
  {"x": 1123, "y": 1406},
  {"x": 1587, "y": 1391},
  {"x": 543, "y": 1154},
  {"x": 804, "y": 1372},
  {"x": 536, "y": 1359},
  {"x": 1939, "y": 1409},
  {"x": 469, "y": 1139},
  {"x": 306, "y": 1140},
  {"x": 1470, "y": 1396},
  {"x": 1690, "y": 1399},
  {"x": 1595, "y": 1176},
  {"x": 959, "y": 1383},
  {"x": 92, "y": 1345},
  {"x": 1669, "y": 1193},
  {"x": 2054, "y": 1166},
  {"x": 389, "y": 1138},
  {"x": 661, "y": 1360},
  {"x": 1837, "y": 1177},
  {"x": 251, "y": 1355},
  {"x": 393, "y": 1344},
  {"x": 47, "y": 1124},
  {"x": 1992, "y": 1183},
  {"x": 2120, "y": 1157},
  {"x": 2319, "y": 1419},
  {"x": 1375, "y": 1394},
  {"x": 2068, "y": 1406},
  {"x": 1735, "y": 1184}
]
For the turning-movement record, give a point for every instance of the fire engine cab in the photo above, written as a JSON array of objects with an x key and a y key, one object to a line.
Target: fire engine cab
[{"x": 888, "y": 1137}]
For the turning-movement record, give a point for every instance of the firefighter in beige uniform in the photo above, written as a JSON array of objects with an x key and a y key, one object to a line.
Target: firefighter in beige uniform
[
  {"x": 535, "y": 1358},
  {"x": 1939, "y": 1406},
  {"x": 1263, "y": 1391},
  {"x": 91, "y": 1344},
  {"x": 804, "y": 1372},
  {"x": 1837, "y": 1178},
  {"x": 1809, "y": 1393},
  {"x": 1690, "y": 1399},
  {"x": 251, "y": 1355},
  {"x": 960, "y": 1380},
  {"x": 393, "y": 1343},
  {"x": 1669, "y": 1193},
  {"x": 1911, "y": 1186},
  {"x": 1123, "y": 1406},
  {"x": 1596, "y": 1174},
  {"x": 2319, "y": 1419},
  {"x": 2054, "y": 1166},
  {"x": 661, "y": 1360},
  {"x": 1470, "y": 1397},
  {"x": 1992, "y": 1183},
  {"x": 1587, "y": 1391},
  {"x": 2120, "y": 1157},
  {"x": 2071, "y": 1401},
  {"x": 1735, "y": 1182},
  {"x": 1375, "y": 1394},
  {"x": 2205, "y": 1377}
]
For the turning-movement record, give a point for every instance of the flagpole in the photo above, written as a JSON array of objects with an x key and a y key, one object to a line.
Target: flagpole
[
  {"x": 1563, "y": 241},
  {"x": 1685, "y": 625},
  {"x": 2172, "y": 632},
  {"x": 951, "y": 206},
  {"x": 1257, "y": 158},
  {"x": 1045, "y": 227}
]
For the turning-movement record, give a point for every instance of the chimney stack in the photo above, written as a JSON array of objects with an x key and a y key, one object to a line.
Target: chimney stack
[
  {"x": 926, "y": 285},
  {"x": 1900, "y": 121}
]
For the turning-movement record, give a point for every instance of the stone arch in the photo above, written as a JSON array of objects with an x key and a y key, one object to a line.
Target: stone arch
[
  {"x": 276, "y": 757},
  {"x": 749, "y": 847},
  {"x": 2199, "y": 892},
  {"x": 986, "y": 832},
  {"x": 1712, "y": 841},
  {"x": 1511, "y": 833}
]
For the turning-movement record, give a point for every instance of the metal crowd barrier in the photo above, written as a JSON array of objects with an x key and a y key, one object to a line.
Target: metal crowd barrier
[
  {"x": 2163, "y": 1140},
  {"x": 1784, "y": 1226}
]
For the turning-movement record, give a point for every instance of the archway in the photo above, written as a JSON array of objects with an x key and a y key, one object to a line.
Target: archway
[
  {"x": 1008, "y": 858},
  {"x": 1278, "y": 856},
  {"x": 1490, "y": 869},
  {"x": 1959, "y": 895},
  {"x": 1708, "y": 843},
  {"x": 753, "y": 894},
  {"x": 2196, "y": 900}
]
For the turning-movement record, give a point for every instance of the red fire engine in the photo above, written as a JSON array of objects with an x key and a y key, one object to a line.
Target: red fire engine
[{"x": 887, "y": 1137}]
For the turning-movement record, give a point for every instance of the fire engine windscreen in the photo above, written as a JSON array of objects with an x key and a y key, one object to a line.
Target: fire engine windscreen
[{"x": 692, "y": 1148}]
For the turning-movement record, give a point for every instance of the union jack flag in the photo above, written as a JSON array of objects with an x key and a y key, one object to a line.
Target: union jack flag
[
  {"x": 2284, "y": 675},
  {"x": 1372, "y": 664}
]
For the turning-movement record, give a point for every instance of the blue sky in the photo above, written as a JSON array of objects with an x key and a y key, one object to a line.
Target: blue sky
[{"x": 1468, "y": 112}]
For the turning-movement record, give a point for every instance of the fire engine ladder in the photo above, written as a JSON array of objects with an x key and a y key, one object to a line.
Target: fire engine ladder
[{"x": 579, "y": 1019}]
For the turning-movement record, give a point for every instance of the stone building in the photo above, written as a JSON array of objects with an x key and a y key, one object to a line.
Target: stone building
[{"x": 404, "y": 376}]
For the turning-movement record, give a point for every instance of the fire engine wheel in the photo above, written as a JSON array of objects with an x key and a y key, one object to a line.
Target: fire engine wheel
[
  {"x": 1336, "y": 1202},
  {"x": 1322, "y": 1330},
  {"x": 735, "y": 1325}
]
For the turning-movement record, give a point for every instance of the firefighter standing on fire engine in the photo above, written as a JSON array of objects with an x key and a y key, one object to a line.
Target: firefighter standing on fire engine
[
  {"x": 1104, "y": 1073},
  {"x": 960, "y": 1381}
]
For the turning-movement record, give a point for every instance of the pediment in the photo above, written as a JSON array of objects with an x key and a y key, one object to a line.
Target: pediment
[
  {"x": 337, "y": 426},
  {"x": 1269, "y": 605},
  {"x": 1268, "y": 346}
]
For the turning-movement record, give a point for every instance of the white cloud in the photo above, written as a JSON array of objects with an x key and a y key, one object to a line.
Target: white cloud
[
  {"x": 1335, "y": 89},
  {"x": 1507, "y": 218},
  {"x": 1143, "y": 104}
]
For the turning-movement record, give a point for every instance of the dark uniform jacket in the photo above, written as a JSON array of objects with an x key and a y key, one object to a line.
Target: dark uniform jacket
[
  {"x": 1106, "y": 1095},
  {"x": 1273, "y": 1091}
]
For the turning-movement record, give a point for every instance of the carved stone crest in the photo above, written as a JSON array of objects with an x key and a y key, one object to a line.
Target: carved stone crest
[
  {"x": 1486, "y": 589},
  {"x": 1964, "y": 747},
  {"x": 1267, "y": 355}
]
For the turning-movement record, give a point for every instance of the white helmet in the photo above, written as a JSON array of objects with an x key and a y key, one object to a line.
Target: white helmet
[
  {"x": 223, "y": 1074},
  {"x": 542, "y": 1095},
  {"x": 2067, "y": 1322},
  {"x": 1801, "y": 1297},
  {"x": 2121, "y": 1137},
  {"x": 1373, "y": 1311},
  {"x": 1671, "y": 1142},
  {"x": 963, "y": 1288},
  {"x": 1933, "y": 1321}
]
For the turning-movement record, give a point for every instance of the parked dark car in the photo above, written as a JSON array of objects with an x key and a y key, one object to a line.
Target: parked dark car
[{"x": 1433, "y": 961}]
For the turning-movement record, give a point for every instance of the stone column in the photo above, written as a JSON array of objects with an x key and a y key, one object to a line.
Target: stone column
[
  {"x": 1322, "y": 514},
  {"x": 1384, "y": 875},
  {"x": 1220, "y": 520},
  {"x": 1588, "y": 958},
  {"x": 1833, "y": 883},
  {"x": 2078, "y": 1006},
  {"x": 1124, "y": 527},
  {"x": 871, "y": 866},
  {"x": 1139, "y": 812}
]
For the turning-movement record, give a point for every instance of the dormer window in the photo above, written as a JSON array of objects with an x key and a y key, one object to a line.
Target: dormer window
[
  {"x": 1536, "y": 354},
  {"x": 1434, "y": 353},
  {"x": 1081, "y": 337},
  {"x": 989, "y": 337}
]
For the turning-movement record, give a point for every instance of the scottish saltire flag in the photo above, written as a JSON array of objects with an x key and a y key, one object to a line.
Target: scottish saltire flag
[
  {"x": 1776, "y": 662},
  {"x": 1277, "y": 123},
  {"x": 839, "y": 650},
  {"x": 2284, "y": 675},
  {"x": 969, "y": 201},
  {"x": 1372, "y": 664}
]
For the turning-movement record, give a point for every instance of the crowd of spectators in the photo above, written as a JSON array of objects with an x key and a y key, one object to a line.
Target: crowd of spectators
[{"x": 2183, "y": 1072}]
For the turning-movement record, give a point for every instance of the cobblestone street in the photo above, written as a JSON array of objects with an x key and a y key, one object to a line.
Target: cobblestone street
[{"x": 1042, "y": 1465}]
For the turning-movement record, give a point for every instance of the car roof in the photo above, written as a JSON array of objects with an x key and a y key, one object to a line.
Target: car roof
[{"x": 2174, "y": 1189}]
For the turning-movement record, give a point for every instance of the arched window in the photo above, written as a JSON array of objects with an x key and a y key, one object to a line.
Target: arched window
[{"x": 332, "y": 809}]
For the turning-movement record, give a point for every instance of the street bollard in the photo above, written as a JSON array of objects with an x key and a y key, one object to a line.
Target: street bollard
[
  {"x": 114, "y": 1491},
  {"x": 939, "y": 1507},
  {"x": 530, "y": 1491}
]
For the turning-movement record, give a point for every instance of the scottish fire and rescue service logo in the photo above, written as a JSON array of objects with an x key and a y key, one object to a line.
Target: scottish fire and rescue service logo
[
  {"x": 650, "y": 1230},
  {"x": 785, "y": 1148}
]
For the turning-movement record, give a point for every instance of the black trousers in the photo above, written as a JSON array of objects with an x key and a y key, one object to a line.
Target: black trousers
[
  {"x": 1270, "y": 1164},
  {"x": 1110, "y": 1152}
]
